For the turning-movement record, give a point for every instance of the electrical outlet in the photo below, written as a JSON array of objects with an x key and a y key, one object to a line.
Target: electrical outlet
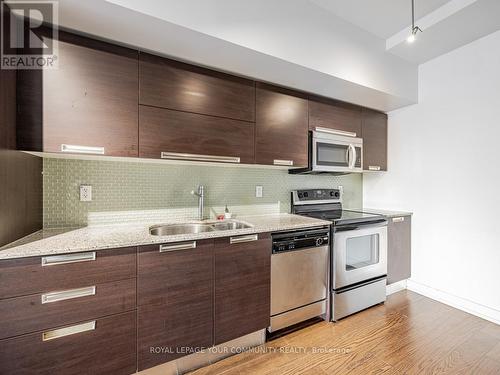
[
  {"x": 259, "y": 191},
  {"x": 85, "y": 193}
]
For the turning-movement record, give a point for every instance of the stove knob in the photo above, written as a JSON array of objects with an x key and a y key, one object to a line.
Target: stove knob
[
  {"x": 332, "y": 193},
  {"x": 319, "y": 242},
  {"x": 337, "y": 194},
  {"x": 306, "y": 194},
  {"x": 301, "y": 195}
]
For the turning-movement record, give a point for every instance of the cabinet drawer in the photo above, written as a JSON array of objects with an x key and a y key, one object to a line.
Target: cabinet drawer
[
  {"x": 102, "y": 346},
  {"x": 25, "y": 276},
  {"x": 175, "y": 85},
  {"x": 37, "y": 312}
]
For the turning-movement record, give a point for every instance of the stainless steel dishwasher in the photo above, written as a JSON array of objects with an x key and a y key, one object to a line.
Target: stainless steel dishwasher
[{"x": 299, "y": 276}]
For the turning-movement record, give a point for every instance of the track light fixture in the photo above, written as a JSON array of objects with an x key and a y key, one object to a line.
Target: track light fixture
[{"x": 414, "y": 29}]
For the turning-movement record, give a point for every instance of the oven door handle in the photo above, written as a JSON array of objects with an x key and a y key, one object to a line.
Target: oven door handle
[{"x": 352, "y": 227}]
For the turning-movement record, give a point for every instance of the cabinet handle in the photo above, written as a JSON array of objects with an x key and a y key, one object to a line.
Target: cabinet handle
[
  {"x": 335, "y": 131},
  {"x": 82, "y": 149},
  {"x": 178, "y": 246},
  {"x": 283, "y": 162},
  {"x": 374, "y": 168},
  {"x": 68, "y": 294},
  {"x": 240, "y": 239},
  {"x": 196, "y": 157},
  {"x": 67, "y": 258},
  {"x": 67, "y": 331},
  {"x": 398, "y": 219}
]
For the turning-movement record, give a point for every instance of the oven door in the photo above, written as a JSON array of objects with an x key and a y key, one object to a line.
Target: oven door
[
  {"x": 341, "y": 154},
  {"x": 359, "y": 254}
]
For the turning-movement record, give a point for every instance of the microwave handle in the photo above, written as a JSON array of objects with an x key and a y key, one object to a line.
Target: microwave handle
[{"x": 352, "y": 156}]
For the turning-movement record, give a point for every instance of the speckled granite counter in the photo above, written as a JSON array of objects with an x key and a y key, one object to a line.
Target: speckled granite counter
[
  {"x": 60, "y": 241},
  {"x": 387, "y": 213}
]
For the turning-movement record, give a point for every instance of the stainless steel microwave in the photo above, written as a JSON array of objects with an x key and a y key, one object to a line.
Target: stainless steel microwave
[{"x": 333, "y": 151}]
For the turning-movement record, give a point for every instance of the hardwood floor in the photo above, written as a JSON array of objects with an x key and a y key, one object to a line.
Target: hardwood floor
[{"x": 409, "y": 334}]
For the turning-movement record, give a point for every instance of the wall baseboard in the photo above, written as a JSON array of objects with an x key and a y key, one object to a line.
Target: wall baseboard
[
  {"x": 396, "y": 287},
  {"x": 468, "y": 306}
]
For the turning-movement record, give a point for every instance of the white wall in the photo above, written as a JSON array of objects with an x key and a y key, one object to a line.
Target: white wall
[{"x": 444, "y": 165}]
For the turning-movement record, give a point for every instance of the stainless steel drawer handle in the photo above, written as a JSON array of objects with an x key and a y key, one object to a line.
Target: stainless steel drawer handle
[
  {"x": 335, "y": 131},
  {"x": 67, "y": 331},
  {"x": 374, "y": 167},
  {"x": 197, "y": 157},
  {"x": 178, "y": 246},
  {"x": 398, "y": 219},
  {"x": 283, "y": 162},
  {"x": 240, "y": 239},
  {"x": 82, "y": 149},
  {"x": 68, "y": 294},
  {"x": 68, "y": 258}
]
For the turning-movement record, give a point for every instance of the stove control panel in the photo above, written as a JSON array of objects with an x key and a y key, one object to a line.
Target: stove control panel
[{"x": 319, "y": 195}]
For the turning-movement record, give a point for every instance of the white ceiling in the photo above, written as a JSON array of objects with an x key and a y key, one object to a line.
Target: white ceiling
[
  {"x": 382, "y": 18},
  {"x": 352, "y": 50}
]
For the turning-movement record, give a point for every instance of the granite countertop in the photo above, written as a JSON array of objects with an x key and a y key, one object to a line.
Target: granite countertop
[
  {"x": 387, "y": 213},
  {"x": 71, "y": 240}
]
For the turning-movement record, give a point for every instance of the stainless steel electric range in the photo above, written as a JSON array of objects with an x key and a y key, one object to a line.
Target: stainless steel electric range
[{"x": 358, "y": 256}]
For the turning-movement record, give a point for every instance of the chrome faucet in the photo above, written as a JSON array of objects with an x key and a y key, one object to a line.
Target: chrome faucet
[{"x": 201, "y": 200}]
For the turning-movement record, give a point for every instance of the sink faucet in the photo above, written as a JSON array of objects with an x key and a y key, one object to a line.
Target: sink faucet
[{"x": 201, "y": 200}]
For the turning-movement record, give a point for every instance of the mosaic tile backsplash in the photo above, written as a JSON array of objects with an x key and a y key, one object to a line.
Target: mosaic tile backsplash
[{"x": 134, "y": 190}]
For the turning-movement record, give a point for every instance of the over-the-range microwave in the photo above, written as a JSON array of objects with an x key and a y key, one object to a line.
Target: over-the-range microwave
[{"x": 333, "y": 151}]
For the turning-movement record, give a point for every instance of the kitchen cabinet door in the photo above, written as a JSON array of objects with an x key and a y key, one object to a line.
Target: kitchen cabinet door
[
  {"x": 242, "y": 286},
  {"x": 175, "y": 85},
  {"x": 374, "y": 140},
  {"x": 89, "y": 101},
  {"x": 175, "y": 300},
  {"x": 399, "y": 249},
  {"x": 281, "y": 127},
  {"x": 202, "y": 137},
  {"x": 327, "y": 113}
]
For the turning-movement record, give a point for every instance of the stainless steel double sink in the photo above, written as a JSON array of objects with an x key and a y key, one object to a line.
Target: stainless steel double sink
[{"x": 197, "y": 227}]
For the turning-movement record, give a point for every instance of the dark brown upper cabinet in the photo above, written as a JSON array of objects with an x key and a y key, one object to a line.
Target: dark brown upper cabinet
[
  {"x": 374, "y": 135},
  {"x": 281, "y": 127},
  {"x": 326, "y": 113},
  {"x": 167, "y": 131},
  {"x": 174, "y": 85},
  {"x": 242, "y": 285},
  {"x": 90, "y": 100}
]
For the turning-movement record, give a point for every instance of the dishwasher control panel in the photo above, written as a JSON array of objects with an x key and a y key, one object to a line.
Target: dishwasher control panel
[{"x": 291, "y": 241}]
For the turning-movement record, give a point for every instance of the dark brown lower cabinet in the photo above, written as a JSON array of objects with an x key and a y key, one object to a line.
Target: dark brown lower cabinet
[
  {"x": 25, "y": 276},
  {"x": 175, "y": 297},
  {"x": 399, "y": 249},
  {"x": 242, "y": 285},
  {"x": 104, "y": 346},
  {"x": 21, "y": 315}
]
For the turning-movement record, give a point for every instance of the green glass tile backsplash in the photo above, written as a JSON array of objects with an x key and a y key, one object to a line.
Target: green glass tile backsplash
[{"x": 136, "y": 186}]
